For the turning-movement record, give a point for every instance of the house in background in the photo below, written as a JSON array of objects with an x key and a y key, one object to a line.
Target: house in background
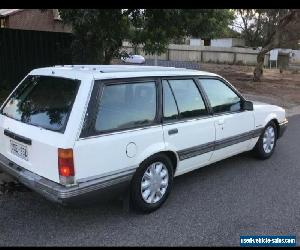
[
  {"x": 196, "y": 42},
  {"x": 220, "y": 42},
  {"x": 33, "y": 19},
  {"x": 227, "y": 42}
]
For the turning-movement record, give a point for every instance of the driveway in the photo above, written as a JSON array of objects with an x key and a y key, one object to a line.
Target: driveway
[{"x": 211, "y": 206}]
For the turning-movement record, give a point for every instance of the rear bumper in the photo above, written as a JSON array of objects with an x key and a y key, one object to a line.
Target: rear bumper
[
  {"x": 282, "y": 128},
  {"x": 100, "y": 188}
]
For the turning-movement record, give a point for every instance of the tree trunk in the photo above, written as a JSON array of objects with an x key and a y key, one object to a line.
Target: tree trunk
[
  {"x": 108, "y": 56},
  {"x": 107, "y": 60},
  {"x": 258, "y": 71},
  {"x": 282, "y": 35}
]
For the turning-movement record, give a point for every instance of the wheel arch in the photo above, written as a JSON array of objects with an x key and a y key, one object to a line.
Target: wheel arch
[
  {"x": 169, "y": 153},
  {"x": 277, "y": 126},
  {"x": 173, "y": 157}
]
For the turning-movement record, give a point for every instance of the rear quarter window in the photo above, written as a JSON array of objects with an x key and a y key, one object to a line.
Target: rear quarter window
[{"x": 125, "y": 106}]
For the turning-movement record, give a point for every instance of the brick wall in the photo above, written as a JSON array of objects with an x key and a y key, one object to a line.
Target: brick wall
[{"x": 34, "y": 19}]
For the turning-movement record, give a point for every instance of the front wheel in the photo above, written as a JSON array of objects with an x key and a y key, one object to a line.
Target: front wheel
[
  {"x": 152, "y": 183},
  {"x": 267, "y": 141}
]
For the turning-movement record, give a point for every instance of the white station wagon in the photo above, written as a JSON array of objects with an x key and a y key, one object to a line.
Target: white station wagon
[{"x": 76, "y": 133}]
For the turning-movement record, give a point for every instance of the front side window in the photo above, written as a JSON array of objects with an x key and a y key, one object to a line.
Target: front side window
[
  {"x": 124, "y": 106},
  {"x": 43, "y": 101},
  {"x": 221, "y": 97},
  {"x": 188, "y": 98}
]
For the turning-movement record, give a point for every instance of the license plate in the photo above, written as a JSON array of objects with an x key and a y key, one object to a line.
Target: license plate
[{"x": 19, "y": 150}]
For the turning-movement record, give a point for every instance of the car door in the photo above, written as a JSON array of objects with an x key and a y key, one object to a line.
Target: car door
[
  {"x": 234, "y": 126},
  {"x": 188, "y": 127}
]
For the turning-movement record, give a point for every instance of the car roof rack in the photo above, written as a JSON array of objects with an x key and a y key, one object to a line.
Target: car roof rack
[{"x": 120, "y": 68}]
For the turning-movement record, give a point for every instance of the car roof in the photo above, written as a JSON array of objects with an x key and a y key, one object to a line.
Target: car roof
[{"x": 122, "y": 71}]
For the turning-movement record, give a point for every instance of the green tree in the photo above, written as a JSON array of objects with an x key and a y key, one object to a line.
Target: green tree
[
  {"x": 268, "y": 28},
  {"x": 99, "y": 33}
]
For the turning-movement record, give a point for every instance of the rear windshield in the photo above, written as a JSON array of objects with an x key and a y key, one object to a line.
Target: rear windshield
[{"x": 43, "y": 101}]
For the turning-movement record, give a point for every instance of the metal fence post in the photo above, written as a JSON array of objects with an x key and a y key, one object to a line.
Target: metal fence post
[{"x": 234, "y": 58}]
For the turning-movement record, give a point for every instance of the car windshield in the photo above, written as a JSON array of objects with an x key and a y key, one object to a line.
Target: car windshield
[{"x": 43, "y": 101}]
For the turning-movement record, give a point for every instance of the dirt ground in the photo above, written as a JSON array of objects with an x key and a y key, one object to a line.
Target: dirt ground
[{"x": 275, "y": 87}]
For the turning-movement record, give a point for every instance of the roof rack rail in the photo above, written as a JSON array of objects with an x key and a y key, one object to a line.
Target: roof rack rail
[{"x": 121, "y": 68}]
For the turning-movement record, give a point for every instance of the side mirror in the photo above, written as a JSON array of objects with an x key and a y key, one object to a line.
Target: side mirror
[{"x": 247, "y": 105}]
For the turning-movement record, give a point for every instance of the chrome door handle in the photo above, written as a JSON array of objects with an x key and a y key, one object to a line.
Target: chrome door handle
[{"x": 173, "y": 131}]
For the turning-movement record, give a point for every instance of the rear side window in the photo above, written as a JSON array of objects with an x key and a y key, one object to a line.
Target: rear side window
[
  {"x": 124, "y": 106},
  {"x": 188, "y": 98},
  {"x": 221, "y": 97},
  {"x": 43, "y": 101}
]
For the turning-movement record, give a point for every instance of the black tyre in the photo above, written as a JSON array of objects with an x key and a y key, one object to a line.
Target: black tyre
[
  {"x": 151, "y": 183},
  {"x": 267, "y": 141}
]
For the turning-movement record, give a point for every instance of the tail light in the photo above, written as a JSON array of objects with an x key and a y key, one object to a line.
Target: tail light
[{"x": 66, "y": 166}]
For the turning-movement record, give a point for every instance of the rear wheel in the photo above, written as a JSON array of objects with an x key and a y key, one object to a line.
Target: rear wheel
[
  {"x": 152, "y": 183},
  {"x": 267, "y": 141}
]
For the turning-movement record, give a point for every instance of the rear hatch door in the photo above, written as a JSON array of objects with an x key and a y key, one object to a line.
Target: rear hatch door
[{"x": 33, "y": 123}]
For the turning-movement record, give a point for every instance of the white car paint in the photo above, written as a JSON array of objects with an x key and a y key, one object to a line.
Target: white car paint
[
  {"x": 229, "y": 125},
  {"x": 106, "y": 154},
  {"x": 265, "y": 112},
  {"x": 189, "y": 134}
]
